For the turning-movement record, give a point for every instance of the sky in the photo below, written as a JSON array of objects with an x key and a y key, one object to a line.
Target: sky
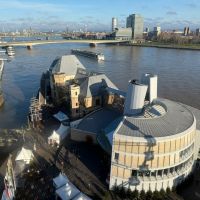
[{"x": 95, "y": 15}]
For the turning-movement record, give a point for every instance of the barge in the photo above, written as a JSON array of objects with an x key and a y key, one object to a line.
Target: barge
[{"x": 89, "y": 54}]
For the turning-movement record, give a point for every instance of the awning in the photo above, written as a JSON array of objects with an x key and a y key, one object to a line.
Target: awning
[
  {"x": 81, "y": 196},
  {"x": 67, "y": 191},
  {"x": 60, "y": 180},
  {"x": 60, "y": 116}
]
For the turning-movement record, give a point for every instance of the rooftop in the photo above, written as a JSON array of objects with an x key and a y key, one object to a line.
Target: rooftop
[
  {"x": 172, "y": 119},
  {"x": 93, "y": 84},
  {"x": 98, "y": 120},
  {"x": 68, "y": 64}
]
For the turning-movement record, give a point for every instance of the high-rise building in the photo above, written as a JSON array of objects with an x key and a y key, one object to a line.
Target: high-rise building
[
  {"x": 136, "y": 22},
  {"x": 157, "y": 30},
  {"x": 198, "y": 32},
  {"x": 114, "y": 24},
  {"x": 186, "y": 31}
]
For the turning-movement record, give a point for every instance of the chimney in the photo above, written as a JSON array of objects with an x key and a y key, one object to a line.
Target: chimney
[
  {"x": 134, "y": 102},
  {"x": 151, "y": 80}
]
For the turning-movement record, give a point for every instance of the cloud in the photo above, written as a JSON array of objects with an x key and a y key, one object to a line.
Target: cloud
[
  {"x": 191, "y": 5},
  {"x": 171, "y": 13}
]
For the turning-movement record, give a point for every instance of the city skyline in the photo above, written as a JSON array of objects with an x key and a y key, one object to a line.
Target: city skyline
[{"x": 59, "y": 15}]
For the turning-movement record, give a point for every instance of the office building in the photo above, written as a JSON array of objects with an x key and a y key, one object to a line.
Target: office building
[
  {"x": 186, "y": 31},
  {"x": 122, "y": 34},
  {"x": 136, "y": 22},
  {"x": 157, "y": 30},
  {"x": 197, "y": 32},
  {"x": 114, "y": 24}
]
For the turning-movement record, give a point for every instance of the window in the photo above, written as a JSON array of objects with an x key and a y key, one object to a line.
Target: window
[
  {"x": 97, "y": 102},
  {"x": 76, "y": 93},
  {"x": 116, "y": 156},
  {"x": 134, "y": 173},
  {"x": 76, "y": 104}
]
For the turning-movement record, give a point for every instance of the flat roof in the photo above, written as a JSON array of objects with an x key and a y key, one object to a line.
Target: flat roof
[
  {"x": 177, "y": 119},
  {"x": 98, "y": 120}
]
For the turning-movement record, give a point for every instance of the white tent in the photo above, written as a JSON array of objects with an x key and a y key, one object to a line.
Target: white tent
[
  {"x": 58, "y": 135},
  {"x": 25, "y": 155},
  {"x": 60, "y": 116},
  {"x": 60, "y": 180},
  {"x": 67, "y": 191},
  {"x": 81, "y": 196}
]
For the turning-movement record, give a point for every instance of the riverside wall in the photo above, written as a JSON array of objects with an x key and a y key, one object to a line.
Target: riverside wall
[{"x": 1, "y": 100}]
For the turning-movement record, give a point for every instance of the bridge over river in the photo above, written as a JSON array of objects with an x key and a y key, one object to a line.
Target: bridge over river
[{"x": 30, "y": 44}]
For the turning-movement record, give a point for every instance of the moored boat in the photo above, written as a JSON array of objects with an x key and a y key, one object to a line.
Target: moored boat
[
  {"x": 90, "y": 54},
  {"x": 10, "y": 51}
]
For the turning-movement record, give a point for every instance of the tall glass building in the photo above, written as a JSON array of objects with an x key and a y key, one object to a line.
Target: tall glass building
[{"x": 136, "y": 22}]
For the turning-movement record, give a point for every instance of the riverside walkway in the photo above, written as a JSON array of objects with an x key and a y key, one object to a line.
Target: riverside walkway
[{"x": 29, "y": 44}]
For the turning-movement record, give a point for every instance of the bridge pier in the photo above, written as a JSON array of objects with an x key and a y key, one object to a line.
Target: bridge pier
[
  {"x": 29, "y": 47},
  {"x": 93, "y": 44}
]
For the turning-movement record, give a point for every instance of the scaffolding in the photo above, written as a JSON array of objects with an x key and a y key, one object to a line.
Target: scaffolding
[{"x": 35, "y": 111}]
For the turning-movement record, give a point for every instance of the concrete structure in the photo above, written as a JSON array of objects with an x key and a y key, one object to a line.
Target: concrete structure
[
  {"x": 114, "y": 24},
  {"x": 186, "y": 31},
  {"x": 198, "y": 32},
  {"x": 155, "y": 147},
  {"x": 136, "y": 22},
  {"x": 84, "y": 91},
  {"x": 157, "y": 31},
  {"x": 122, "y": 34},
  {"x": 30, "y": 44}
]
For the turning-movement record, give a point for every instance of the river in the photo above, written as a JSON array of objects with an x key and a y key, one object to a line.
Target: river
[{"x": 178, "y": 73}]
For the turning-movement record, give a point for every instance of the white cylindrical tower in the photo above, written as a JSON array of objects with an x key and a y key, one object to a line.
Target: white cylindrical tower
[
  {"x": 114, "y": 24},
  {"x": 134, "y": 102}
]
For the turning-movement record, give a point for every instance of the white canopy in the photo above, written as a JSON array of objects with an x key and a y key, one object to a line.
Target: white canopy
[
  {"x": 59, "y": 134},
  {"x": 25, "y": 155},
  {"x": 60, "y": 180},
  {"x": 81, "y": 196},
  {"x": 60, "y": 116},
  {"x": 67, "y": 191}
]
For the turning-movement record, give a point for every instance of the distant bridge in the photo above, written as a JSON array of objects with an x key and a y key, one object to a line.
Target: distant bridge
[{"x": 29, "y": 44}]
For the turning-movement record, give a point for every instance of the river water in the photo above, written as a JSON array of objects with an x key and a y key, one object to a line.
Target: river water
[{"x": 178, "y": 73}]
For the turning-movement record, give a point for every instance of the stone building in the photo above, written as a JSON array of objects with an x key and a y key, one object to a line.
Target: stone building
[{"x": 82, "y": 90}]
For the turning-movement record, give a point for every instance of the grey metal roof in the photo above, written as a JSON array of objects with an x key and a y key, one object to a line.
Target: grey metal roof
[
  {"x": 97, "y": 121},
  {"x": 177, "y": 119},
  {"x": 93, "y": 84},
  {"x": 68, "y": 64},
  {"x": 196, "y": 113}
]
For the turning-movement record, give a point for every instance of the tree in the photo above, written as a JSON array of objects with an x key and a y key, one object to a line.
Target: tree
[
  {"x": 163, "y": 193},
  {"x": 134, "y": 194},
  {"x": 142, "y": 195},
  {"x": 122, "y": 192},
  {"x": 157, "y": 195},
  {"x": 149, "y": 195},
  {"x": 168, "y": 190}
]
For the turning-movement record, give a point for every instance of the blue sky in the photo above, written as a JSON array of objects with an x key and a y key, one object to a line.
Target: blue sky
[{"x": 96, "y": 14}]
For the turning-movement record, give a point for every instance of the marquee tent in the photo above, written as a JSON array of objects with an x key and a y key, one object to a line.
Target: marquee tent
[
  {"x": 60, "y": 180},
  {"x": 67, "y": 191},
  {"x": 58, "y": 135},
  {"x": 25, "y": 155}
]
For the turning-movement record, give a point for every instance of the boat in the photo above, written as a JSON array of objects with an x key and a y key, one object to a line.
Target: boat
[
  {"x": 90, "y": 54},
  {"x": 1, "y": 68},
  {"x": 10, "y": 51}
]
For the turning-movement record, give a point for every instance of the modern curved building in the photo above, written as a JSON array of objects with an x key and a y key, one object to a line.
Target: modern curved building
[{"x": 156, "y": 143}]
